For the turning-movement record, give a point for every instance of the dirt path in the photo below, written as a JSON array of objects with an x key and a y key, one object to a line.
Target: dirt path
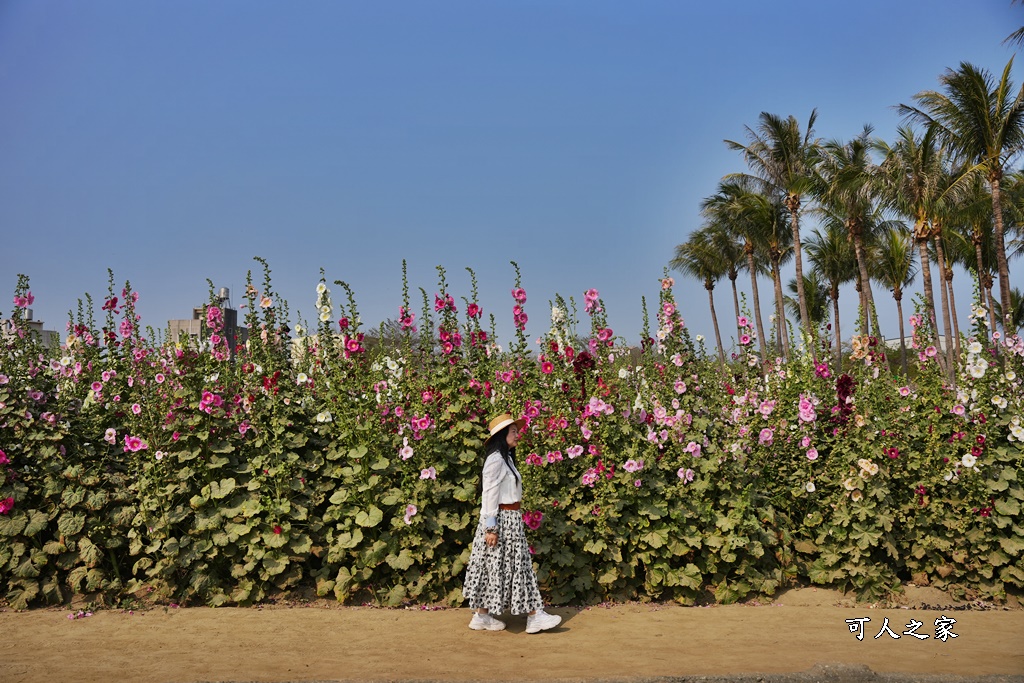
[{"x": 802, "y": 629}]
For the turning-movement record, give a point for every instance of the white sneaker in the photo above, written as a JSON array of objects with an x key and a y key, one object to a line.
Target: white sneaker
[
  {"x": 485, "y": 622},
  {"x": 541, "y": 621}
]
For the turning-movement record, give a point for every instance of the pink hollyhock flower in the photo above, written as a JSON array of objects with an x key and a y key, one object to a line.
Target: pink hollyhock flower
[
  {"x": 812, "y": 454},
  {"x": 680, "y": 386},
  {"x": 554, "y": 456},
  {"x": 904, "y": 391},
  {"x": 534, "y": 459},
  {"x": 278, "y": 529},
  {"x": 694, "y": 448},
  {"x": 668, "y": 283},
  {"x": 668, "y": 308},
  {"x": 930, "y": 351},
  {"x": 604, "y": 334},
  {"x": 744, "y": 339},
  {"x": 97, "y": 387},
  {"x": 160, "y": 378},
  {"x": 519, "y": 294},
  {"x": 136, "y": 408},
  {"x": 686, "y": 474},
  {"x": 110, "y": 436},
  {"x": 474, "y": 311},
  {"x": 547, "y": 367},
  {"x": 410, "y": 512},
  {"x": 428, "y": 473},
  {"x": 766, "y": 436},
  {"x": 6, "y": 505},
  {"x": 405, "y": 451},
  {"x": 742, "y": 321},
  {"x": 266, "y": 302},
  {"x": 574, "y": 451},
  {"x": 958, "y": 410},
  {"x": 3, "y": 458}
]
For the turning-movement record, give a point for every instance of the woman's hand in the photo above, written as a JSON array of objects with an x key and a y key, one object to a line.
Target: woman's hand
[{"x": 491, "y": 539}]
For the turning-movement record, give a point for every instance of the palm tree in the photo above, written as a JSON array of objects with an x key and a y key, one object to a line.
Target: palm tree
[
  {"x": 892, "y": 258},
  {"x": 912, "y": 177},
  {"x": 982, "y": 122},
  {"x": 817, "y": 293},
  {"x": 831, "y": 257},
  {"x": 737, "y": 206},
  {"x": 846, "y": 188},
  {"x": 698, "y": 258},
  {"x": 1017, "y": 308},
  {"x": 731, "y": 251},
  {"x": 1018, "y": 35},
  {"x": 781, "y": 159}
]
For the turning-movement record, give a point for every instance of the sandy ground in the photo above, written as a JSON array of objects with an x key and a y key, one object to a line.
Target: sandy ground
[{"x": 803, "y": 630}]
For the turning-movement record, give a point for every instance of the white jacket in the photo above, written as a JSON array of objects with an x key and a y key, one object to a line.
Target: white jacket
[{"x": 501, "y": 484}]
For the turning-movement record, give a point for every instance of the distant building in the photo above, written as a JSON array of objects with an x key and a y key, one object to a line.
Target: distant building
[
  {"x": 48, "y": 338},
  {"x": 894, "y": 343},
  {"x": 193, "y": 327}
]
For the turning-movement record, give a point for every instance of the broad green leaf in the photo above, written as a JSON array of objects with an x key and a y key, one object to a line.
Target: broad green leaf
[
  {"x": 357, "y": 452},
  {"x": 369, "y": 518},
  {"x": 222, "y": 488},
  {"x": 70, "y": 524},
  {"x": 36, "y": 522}
]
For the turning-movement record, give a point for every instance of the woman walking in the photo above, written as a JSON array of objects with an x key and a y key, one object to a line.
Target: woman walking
[{"x": 500, "y": 573}]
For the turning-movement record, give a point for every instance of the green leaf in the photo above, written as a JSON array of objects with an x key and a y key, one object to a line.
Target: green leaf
[
  {"x": 274, "y": 563},
  {"x": 380, "y": 463},
  {"x": 402, "y": 561},
  {"x": 70, "y": 524},
  {"x": 369, "y": 518},
  {"x": 12, "y": 525},
  {"x": 339, "y": 496},
  {"x": 36, "y": 522},
  {"x": 357, "y": 452},
  {"x": 1008, "y": 506},
  {"x": 222, "y": 488}
]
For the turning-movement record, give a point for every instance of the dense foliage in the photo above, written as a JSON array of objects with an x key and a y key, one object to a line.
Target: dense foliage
[{"x": 348, "y": 463}]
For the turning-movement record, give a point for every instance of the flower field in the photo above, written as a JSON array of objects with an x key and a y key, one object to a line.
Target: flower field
[{"x": 348, "y": 463}]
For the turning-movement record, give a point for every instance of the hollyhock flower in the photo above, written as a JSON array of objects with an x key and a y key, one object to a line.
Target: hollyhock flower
[
  {"x": 410, "y": 512},
  {"x": 474, "y": 311},
  {"x": 301, "y": 378},
  {"x": 974, "y": 347},
  {"x": 266, "y": 302},
  {"x": 930, "y": 352},
  {"x": 6, "y": 505},
  {"x": 810, "y": 487},
  {"x": 136, "y": 408},
  {"x": 766, "y": 436},
  {"x": 822, "y": 370},
  {"x": 680, "y": 386},
  {"x": 633, "y": 465},
  {"x": 405, "y": 451},
  {"x": 968, "y": 460},
  {"x": 159, "y": 455},
  {"x": 97, "y": 387},
  {"x": 110, "y": 436},
  {"x": 428, "y": 473},
  {"x": 856, "y": 496},
  {"x": 160, "y": 377},
  {"x": 904, "y": 391},
  {"x": 958, "y": 410},
  {"x": 693, "y": 448},
  {"x": 519, "y": 294},
  {"x": 766, "y": 408},
  {"x": 686, "y": 474},
  {"x": 812, "y": 454},
  {"x": 604, "y": 334},
  {"x": 668, "y": 283},
  {"x": 343, "y": 323},
  {"x": 3, "y": 458},
  {"x": 744, "y": 339},
  {"x": 574, "y": 451}
]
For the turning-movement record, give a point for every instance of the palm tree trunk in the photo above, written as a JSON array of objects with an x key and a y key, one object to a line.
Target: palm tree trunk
[
  {"x": 1001, "y": 263},
  {"x": 926, "y": 276},
  {"x": 839, "y": 336},
  {"x": 781, "y": 333},
  {"x": 991, "y": 309},
  {"x": 898, "y": 295},
  {"x": 952, "y": 310},
  {"x": 735, "y": 296},
  {"x": 714, "y": 319},
  {"x": 757, "y": 305},
  {"x": 793, "y": 204},
  {"x": 946, "y": 326},
  {"x": 862, "y": 266}
]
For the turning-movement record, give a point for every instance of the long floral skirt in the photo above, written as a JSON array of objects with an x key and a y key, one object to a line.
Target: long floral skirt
[{"x": 502, "y": 578}]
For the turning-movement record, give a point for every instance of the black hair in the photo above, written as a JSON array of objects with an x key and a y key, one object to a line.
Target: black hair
[{"x": 499, "y": 442}]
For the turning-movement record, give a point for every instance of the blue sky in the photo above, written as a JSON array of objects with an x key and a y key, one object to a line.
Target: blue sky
[{"x": 174, "y": 141}]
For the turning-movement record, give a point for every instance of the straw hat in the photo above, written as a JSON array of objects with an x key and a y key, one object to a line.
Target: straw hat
[{"x": 501, "y": 421}]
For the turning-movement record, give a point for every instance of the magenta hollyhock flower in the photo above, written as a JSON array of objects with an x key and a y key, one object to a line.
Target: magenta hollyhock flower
[
  {"x": 547, "y": 367},
  {"x": 519, "y": 294},
  {"x": 3, "y": 458},
  {"x": 744, "y": 339},
  {"x": 278, "y": 529},
  {"x": 605, "y": 333},
  {"x": 97, "y": 387},
  {"x": 136, "y": 408},
  {"x": 474, "y": 311},
  {"x": 534, "y": 459},
  {"x": 554, "y": 456},
  {"x": 6, "y": 505}
]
